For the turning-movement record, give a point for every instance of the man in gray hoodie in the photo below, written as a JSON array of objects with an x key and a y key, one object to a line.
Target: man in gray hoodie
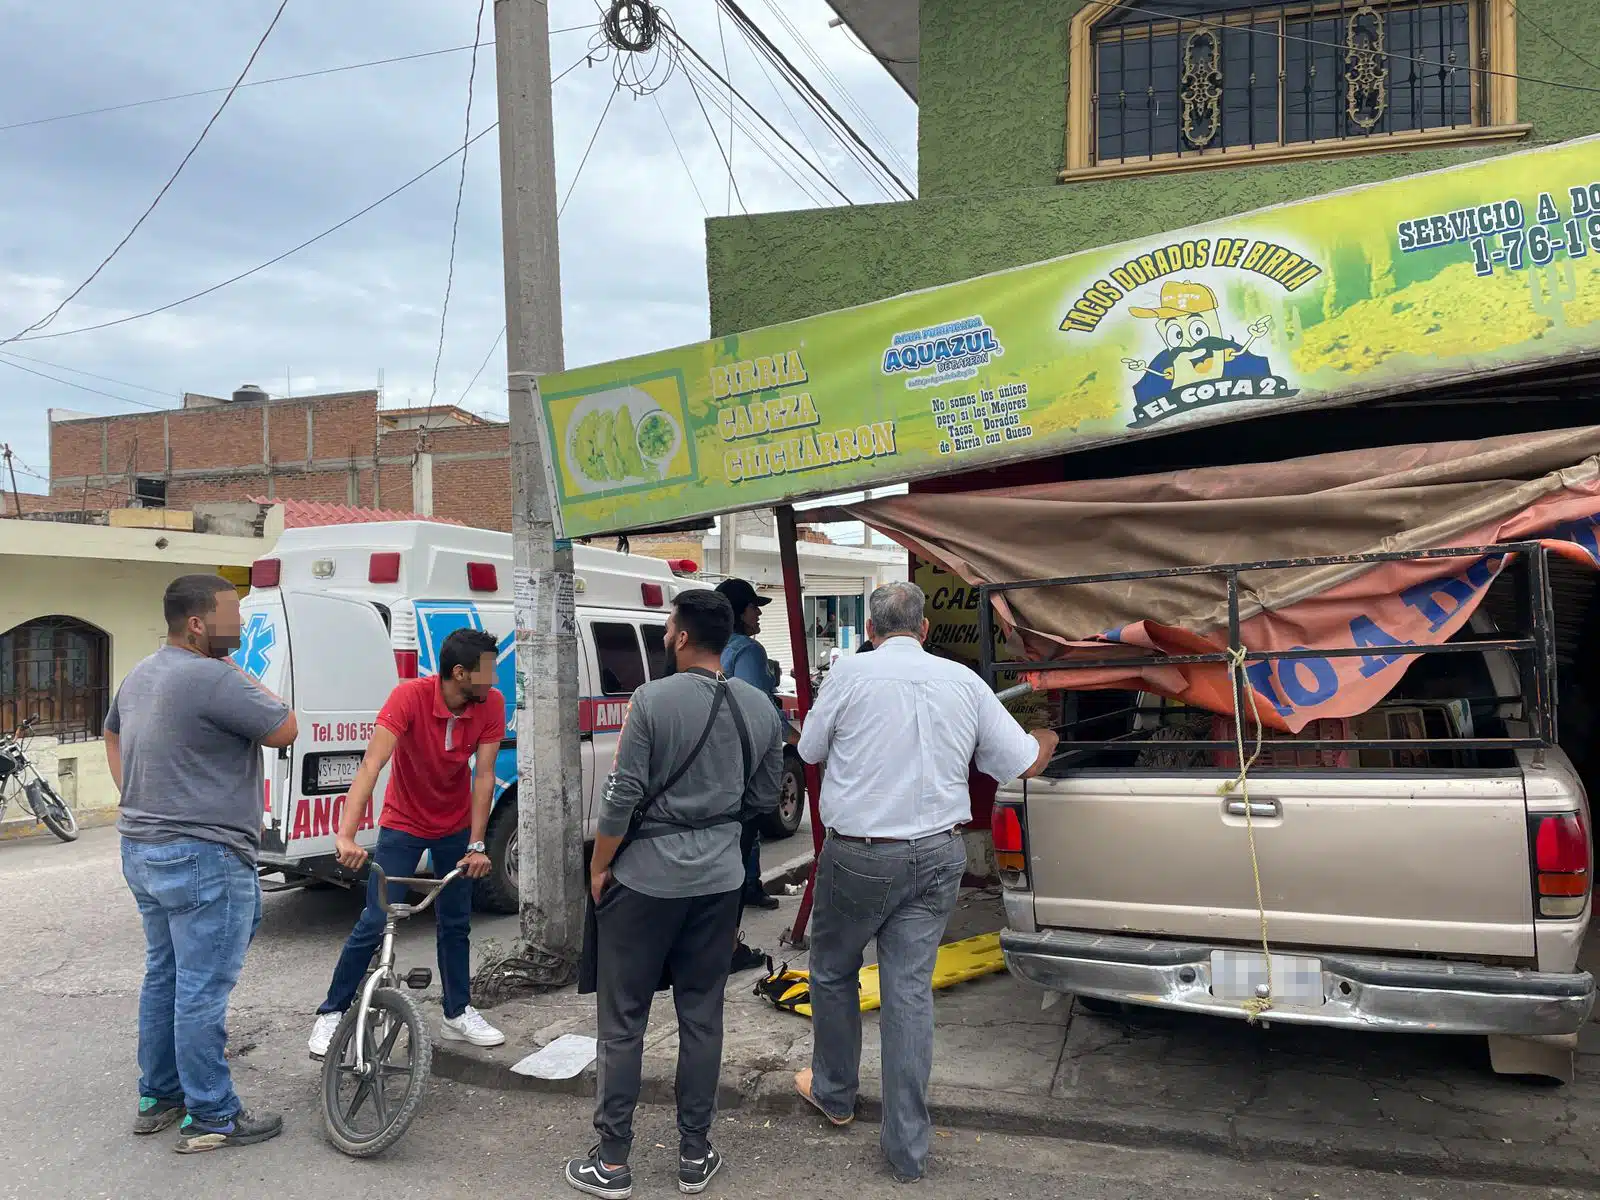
[{"x": 697, "y": 753}]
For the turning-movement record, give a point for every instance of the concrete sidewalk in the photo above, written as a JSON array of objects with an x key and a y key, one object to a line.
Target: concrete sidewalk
[{"x": 1422, "y": 1105}]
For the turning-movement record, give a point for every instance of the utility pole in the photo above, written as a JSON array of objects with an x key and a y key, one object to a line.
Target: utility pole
[
  {"x": 728, "y": 545},
  {"x": 11, "y": 466},
  {"x": 549, "y": 800}
]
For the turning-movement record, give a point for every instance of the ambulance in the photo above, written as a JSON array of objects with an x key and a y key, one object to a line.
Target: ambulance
[{"x": 338, "y": 615}]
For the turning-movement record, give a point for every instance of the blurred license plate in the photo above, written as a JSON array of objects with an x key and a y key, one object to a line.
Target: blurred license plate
[
  {"x": 336, "y": 772},
  {"x": 1296, "y": 981}
]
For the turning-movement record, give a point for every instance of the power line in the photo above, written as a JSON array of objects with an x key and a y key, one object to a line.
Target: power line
[
  {"x": 808, "y": 89},
  {"x": 455, "y": 221},
  {"x": 776, "y": 9},
  {"x": 821, "y": 174},
  {"x": 1256, "y": 31},
  {"x": 759, "y": 139},
  {"x": 217, "y": 287},
  {"x": 167, "y": 392},
  {"x": 275, "y": 260},
  {"x": 44, "y": 321},
  {"x": 776, "y": 91},
  {"x": 82, "y": 387},
  {"x": 765, "y": 148},
  {"x": 674, "y": 139},
  {"x": 578, "y": 174},
  {"x": 481, "y": 366},
  {"x": 726, "y": 161},
  {"x": 728, "y": 71},
  {"x": 870, "y": 52},
  {"x": 376, "y": 62},
  {"x": 1516, "y": 10}
]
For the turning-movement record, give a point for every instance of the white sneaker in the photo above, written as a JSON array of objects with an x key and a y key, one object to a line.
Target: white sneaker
[
  {"x": 471, "y": 1027},
  {"x": 322, "y": 1032}
]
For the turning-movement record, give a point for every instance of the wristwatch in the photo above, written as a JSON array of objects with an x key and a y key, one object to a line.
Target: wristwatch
[{"x": 476, "y": 848}]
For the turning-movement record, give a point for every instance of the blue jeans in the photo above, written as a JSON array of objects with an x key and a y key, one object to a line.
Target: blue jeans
[
  {"x": 200, "y": 904},
  {"x": 398, "y": 854},
  {"x": 901, "y": 895}
]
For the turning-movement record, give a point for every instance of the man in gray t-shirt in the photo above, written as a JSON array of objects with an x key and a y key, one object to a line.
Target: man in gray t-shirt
[
  {"x": 668, "y": 899},
  {"x": 183, "y": 741}
]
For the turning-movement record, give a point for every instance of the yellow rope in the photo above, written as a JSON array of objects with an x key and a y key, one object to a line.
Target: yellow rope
[{"x": 1255, "y": 1005}]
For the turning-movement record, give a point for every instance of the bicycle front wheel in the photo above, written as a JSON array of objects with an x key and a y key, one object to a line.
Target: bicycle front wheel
[{"x": 367, "y": 1109}]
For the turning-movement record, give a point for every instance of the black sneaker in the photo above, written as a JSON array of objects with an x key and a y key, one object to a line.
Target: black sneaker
[
  {"x": 155, "y": 1115},
  {"x": 244, "y": 1128},
  {"x": 695, "y": 1173},
  {"x": 755, "y": 897},
  {"x": 594, "y": 1177},
  {"x": 747, "y": 958}
]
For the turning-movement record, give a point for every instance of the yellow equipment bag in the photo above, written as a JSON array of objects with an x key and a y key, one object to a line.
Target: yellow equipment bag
[{"x": 957, "y": 962}]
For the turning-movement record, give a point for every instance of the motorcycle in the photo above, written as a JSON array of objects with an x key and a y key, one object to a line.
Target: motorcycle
[{"x": 19, "y": 777}]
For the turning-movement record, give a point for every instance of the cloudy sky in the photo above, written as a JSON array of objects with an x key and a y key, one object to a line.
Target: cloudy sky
[{"x": 287, "y": 160}]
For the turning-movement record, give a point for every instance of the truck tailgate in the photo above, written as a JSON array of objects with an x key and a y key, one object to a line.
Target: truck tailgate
[{"x": 1408, "y": 861}]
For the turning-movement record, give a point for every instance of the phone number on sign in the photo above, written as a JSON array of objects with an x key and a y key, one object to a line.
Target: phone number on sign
[
  {"x": 1536, "y": 246},
  {"x": 343, "y": 732}
]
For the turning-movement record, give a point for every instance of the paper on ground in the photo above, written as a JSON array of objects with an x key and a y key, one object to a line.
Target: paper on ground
[{"x": 564, "y": 1058}]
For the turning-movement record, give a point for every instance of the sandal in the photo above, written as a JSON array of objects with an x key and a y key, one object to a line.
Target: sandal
[{"x": 802, "y": 1084}]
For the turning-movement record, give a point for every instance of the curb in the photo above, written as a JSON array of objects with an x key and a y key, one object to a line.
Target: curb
[
  {"x": 21, "y": 829},
  {"x": 772, "y": 1093},
  {"x": 794, "y": 870}
]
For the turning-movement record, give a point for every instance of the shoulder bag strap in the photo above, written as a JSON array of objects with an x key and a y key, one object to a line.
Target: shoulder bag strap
[{"x": 648, "y": 802}]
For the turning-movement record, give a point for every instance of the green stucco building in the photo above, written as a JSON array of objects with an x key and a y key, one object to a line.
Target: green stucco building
[{"x": 1051, "y": 126}]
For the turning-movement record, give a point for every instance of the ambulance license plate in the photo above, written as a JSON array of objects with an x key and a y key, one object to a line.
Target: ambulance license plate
[{"x": 336, "y": 772}]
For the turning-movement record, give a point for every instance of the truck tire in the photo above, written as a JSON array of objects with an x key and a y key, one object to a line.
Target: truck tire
[
  {"x": 785, "y": 819},
  {"x": 496, "y": 892}
]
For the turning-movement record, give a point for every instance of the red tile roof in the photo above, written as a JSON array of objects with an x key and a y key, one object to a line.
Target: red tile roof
[{"x": 308, "y": 514}]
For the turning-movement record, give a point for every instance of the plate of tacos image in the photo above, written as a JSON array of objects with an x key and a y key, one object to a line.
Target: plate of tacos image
[{"x": 619, "y": 438}]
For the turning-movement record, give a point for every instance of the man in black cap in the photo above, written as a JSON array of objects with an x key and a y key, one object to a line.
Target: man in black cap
[{"x": 745, "y": 658}]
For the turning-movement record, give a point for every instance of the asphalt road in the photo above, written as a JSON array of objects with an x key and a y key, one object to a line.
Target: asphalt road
[{"x": 71, "y": 954}]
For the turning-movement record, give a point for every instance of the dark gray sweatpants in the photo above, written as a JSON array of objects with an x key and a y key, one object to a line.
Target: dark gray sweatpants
[{"x": 638, "y": 936}]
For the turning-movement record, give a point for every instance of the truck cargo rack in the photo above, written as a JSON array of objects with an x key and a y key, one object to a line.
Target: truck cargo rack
[{"x": 1534, "y": 653}]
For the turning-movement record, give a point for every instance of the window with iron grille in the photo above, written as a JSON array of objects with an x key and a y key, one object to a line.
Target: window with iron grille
[
  {"x": 58, "y": 668},
  {"x": 1180, "y": 78}
]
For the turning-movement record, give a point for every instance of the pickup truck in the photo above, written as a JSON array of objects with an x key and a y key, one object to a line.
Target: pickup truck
[{"x": 1446, "y": 895}]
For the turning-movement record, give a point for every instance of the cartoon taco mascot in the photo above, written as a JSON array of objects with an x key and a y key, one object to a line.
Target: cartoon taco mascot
[{"x": 1194, "y": 349}]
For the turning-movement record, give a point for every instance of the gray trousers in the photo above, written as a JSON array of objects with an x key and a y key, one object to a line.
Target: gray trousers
[
  {"x": 638, "y": 936},
  {"x": 900, "y": 894}
]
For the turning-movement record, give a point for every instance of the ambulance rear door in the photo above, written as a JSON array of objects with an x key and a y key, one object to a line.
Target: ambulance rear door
[
  {"x": 343, "y": 671},
  {"x": 263, "y": 654}
]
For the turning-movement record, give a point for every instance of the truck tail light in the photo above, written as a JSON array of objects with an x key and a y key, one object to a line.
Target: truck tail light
[
  {"x": 1561, "y": 862},
  {"x": 405, "y": 663},
  {"x": 265, "y": 572},
  {"x": 1010, "y": 845},
  {"x": 482, "y": 577},
  {"x": 651, "y": 595}
]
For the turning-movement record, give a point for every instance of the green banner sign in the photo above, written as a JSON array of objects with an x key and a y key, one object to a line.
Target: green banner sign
[{"x": 1485, "y": 267}]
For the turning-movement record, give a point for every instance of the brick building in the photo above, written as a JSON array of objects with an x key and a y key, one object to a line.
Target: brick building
[
  {"x": 339, "y": 448},
  {"x": 336, "y": 448}
]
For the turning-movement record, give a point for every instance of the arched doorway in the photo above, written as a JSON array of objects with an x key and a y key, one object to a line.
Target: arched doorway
[{"x": 60, "y": 669}]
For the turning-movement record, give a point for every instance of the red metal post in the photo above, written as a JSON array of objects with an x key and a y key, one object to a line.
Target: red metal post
[{"x": 789, "y": 557}]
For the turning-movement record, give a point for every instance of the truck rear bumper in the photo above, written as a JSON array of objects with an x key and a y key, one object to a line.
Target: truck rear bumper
[{"x": 1397, "y": 995}]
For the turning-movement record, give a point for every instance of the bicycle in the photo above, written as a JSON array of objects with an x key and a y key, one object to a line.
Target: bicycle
[
  {"x": 18, "y": 776},
  {"x": 363, "y": 1054}
]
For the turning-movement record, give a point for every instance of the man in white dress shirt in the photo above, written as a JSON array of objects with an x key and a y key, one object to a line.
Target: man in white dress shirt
[{"x": 898, "y": 730}]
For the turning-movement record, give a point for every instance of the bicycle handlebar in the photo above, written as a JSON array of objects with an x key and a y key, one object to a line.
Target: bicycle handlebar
[{"x": 430, "y": 885}]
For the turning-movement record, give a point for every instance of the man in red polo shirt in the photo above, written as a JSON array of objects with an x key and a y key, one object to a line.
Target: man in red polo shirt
[{"x": 441, "y": 734}]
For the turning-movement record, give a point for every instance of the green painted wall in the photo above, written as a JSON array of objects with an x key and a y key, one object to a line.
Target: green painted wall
[{"x": 992, "y": 79}]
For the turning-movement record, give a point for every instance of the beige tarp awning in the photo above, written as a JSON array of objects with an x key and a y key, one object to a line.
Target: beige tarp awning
[{"x": 1437, "y": 494}]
